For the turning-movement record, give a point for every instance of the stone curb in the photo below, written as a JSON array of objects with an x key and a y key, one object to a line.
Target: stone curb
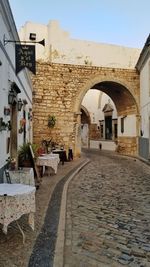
[{"x": 59, "y": 249}]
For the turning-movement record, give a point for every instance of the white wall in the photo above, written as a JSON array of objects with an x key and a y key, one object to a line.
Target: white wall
[
  {"x": 90, "y": 102},
  {"x": 94, "y": 101},
  {"x": 8, "y": 75},
  {"x": 60, "y": 48},
  {"x": 129, "y": 126},
  {"x": 145, "y": 98},
  {"x": 84, "y": 135},
  {"x": 106, "y": 145},
  {"x": 104, "y": 100}
]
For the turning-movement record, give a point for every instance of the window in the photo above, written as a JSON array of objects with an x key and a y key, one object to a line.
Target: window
[
  {"x": 122, "y": 125},
  {"x": 101, "y": 130}
]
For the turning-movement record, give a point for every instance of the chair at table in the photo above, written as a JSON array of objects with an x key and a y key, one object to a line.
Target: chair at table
[
  {"x": 70, "y": 154},
  {"x": 7, "y": 175},
  {"x": 62, "y": 155}
]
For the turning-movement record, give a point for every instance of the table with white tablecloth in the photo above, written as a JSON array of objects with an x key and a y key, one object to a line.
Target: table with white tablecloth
[
  {"x": 16, "y": 200},
  {"x": 49, "y": 160},
  {"x": 21, "y": 176}
]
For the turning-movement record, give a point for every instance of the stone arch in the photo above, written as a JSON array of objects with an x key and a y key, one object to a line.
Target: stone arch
[
  {"x": 85, "y": 127},
  {"x": 127, "y": 106},
  {"x": 87, "y": 113},
  {"x": 109, "y": 80},
  {"x": 59, "y": 90}
]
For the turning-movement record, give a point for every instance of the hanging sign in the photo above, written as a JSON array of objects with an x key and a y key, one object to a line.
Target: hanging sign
[{"x": 25, "y": 57}]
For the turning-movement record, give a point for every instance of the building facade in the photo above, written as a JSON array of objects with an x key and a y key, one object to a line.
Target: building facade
[
  {"x": 15, "y": 92},
  {"x": 61, "y": 48},
  {"x": 66, "y": 70},
  {"x": 143, "y": 66}
]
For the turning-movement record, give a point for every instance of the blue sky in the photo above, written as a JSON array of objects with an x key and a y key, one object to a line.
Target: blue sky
[{"x": 121, "y": 22}]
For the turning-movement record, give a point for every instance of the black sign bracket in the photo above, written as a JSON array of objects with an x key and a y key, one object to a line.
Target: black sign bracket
[{"x": 5, "y": 41}]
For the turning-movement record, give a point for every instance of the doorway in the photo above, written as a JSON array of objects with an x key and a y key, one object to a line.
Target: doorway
[{"x": 108, "y": 127}]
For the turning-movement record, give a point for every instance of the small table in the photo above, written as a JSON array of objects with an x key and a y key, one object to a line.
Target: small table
[
  {"x": 16, "y": 200},
  {"x": 49, "y": 160}
]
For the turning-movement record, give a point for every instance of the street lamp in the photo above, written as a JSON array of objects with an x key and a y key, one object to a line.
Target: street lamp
[
  {"x": 11, "y": 97},
  {"x": 20, "y": 104}
]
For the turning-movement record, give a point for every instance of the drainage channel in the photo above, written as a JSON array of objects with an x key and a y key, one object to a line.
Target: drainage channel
[{"x": 44, "y": 248}]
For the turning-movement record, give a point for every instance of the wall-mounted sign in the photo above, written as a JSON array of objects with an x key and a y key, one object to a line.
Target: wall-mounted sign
[{"x": 25, "y": 57}]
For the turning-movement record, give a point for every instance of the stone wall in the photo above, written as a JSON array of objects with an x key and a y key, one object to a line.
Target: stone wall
[
  {"x": 59, "y": 90},
  {"x": 127, "y": 145},
  {"x": 94, "y": 132}
]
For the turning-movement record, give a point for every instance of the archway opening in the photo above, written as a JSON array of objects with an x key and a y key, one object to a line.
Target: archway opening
[
  {"x": 102, "y": 125},
  {"x": 122, "y": 128},
  {"x": 121, "y": 96}
]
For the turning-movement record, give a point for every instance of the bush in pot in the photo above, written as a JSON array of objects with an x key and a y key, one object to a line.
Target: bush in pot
[{"x": 24, "y": 154}]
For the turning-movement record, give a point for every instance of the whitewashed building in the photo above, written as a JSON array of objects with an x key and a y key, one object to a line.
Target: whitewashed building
[
  {"x": 103, "y": 117},
  {"x": 143, "y": 66},
  {"x": 15, "y": 92},
  {"x": 61, "y": 48}
]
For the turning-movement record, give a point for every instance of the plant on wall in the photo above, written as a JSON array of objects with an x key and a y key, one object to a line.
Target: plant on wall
[
  {"x": 4, "y": 125},
  {"x": 25, "y": 156},
  {"x": 51, "y": 121},
  {"x": 22, "y": 123}
]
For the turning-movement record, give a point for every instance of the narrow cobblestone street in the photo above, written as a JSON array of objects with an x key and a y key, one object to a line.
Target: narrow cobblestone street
[
  {"x": 39, "y": 246},
  {"x": 108, "y": 213}
]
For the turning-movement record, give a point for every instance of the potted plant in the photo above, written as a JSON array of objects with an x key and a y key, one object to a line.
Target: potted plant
[
  {"x": 24, "y": 154},
  {"x": 51, "y": 121}
]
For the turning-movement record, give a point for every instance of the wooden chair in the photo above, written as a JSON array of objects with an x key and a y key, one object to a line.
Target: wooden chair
[{"x": 38, "y": 180}]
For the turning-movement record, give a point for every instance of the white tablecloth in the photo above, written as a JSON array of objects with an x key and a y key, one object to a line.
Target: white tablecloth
[
  {"x": 23, "y": 176},
  {"x": 49, "y": 160},
  {"x": 51, "y": 155},
  {"x": 16, "y": 200}
]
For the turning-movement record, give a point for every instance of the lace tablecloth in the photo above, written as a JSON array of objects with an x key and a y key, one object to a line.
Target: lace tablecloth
[
  {"x": 16, "y": 200},
  {"x": 49, "y": 160},
  {"x": 23, "y": 176}
]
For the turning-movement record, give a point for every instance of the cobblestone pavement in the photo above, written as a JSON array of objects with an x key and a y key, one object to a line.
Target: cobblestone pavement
[
  {"x": 108, "y": 213},
  {"x": 13, "y": 253}
]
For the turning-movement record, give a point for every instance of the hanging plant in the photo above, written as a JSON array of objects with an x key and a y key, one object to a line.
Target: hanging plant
[
  {"x": 51, "y": 121},
  {"x": 22, "y": 123}
]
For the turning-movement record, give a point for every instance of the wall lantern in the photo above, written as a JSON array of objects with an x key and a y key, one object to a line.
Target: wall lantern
[
  {"x": 20, "y": 104},
  {"x": 11, "y": 97}
]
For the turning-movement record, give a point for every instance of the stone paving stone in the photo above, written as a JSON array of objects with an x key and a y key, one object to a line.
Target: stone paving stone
[
  {"x": 108, "y": 213},
  {"x": 13, "y": 253}
]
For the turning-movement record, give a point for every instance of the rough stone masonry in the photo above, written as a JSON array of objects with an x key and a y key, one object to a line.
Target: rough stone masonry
[{"x": 58, "y": 89}]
